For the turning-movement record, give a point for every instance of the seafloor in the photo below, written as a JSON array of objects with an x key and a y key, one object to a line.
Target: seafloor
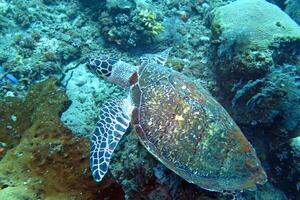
[{"x": 245, "y": 52}]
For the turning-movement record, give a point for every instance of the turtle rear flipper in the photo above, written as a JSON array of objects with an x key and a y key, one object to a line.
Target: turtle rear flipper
[{"x": 112, "y": 122}]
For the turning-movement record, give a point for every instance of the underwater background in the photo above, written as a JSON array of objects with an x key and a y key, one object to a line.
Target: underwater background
[{"x": 245, "y": 52}]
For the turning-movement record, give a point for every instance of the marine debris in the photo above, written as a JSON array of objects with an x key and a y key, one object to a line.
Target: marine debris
[{"x": 6, "y": 76}]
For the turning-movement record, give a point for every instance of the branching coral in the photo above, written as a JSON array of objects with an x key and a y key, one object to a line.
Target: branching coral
[
  {"x": 147, "y": 21},
  {"x": 128, "y": 30}
]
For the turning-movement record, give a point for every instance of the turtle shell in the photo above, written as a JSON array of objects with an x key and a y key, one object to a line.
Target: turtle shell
[{"x": 185, "y": 128}]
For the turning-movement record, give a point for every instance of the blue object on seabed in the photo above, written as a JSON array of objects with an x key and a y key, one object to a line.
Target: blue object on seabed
[{"x": 9, "y": 77}]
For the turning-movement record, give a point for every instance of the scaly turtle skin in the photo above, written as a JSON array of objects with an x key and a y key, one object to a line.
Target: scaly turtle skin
[{"x": 178, "y": 122}]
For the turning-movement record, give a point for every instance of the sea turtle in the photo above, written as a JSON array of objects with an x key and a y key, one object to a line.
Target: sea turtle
[{"x": 177, "y": 121}]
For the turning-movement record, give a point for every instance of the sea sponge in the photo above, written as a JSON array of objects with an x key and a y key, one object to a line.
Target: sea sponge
[{"x": 43, "y": 159}]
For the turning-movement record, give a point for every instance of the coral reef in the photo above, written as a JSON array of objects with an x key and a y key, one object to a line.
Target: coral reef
[
  {"x": 295, "y": 145},
  {"x": 49, "y": 45},
  {"x": 43, "y": 159},
  {"x": 293, "y": 9},
  {"x": 120, "y": 4},
  {"x": 257, "y": 64},
  {"x": 130, "y": 27},
  {"x": 252, "y": 54},
  {"x": 248, "y": 48},
  {"x": 47, "y": 37},
  {"x": 266, "y": 192},
  {"x": 86, "y": 92},
  {"x": 272, "y": 96},
  {"x": 251, "y": 65},
  {"x": 146, "y": 21}
]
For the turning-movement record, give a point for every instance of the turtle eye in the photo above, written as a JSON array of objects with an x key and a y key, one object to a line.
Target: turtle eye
[{"x": 102, "y": 66}]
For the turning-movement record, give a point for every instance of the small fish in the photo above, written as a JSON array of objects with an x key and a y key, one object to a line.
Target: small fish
[{"x": 9, "y": 77}]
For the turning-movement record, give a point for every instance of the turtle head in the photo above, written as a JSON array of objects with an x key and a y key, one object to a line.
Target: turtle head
[
  {"x": 112, "y": 70},
  {"x": 101, "y": 66}
]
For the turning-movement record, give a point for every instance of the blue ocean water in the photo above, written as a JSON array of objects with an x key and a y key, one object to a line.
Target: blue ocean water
[{"x": 150, "y": 99}]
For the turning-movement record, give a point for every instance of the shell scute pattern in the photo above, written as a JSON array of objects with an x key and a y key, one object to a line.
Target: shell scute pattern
[{"x": 185, "y": 128}]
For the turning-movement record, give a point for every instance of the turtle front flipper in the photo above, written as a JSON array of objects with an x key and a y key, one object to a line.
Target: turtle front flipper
[{"x": 112, "y": 122}]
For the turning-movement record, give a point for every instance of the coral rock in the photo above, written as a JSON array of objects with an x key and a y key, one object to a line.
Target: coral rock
[{"x": 251, "y": 45}]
